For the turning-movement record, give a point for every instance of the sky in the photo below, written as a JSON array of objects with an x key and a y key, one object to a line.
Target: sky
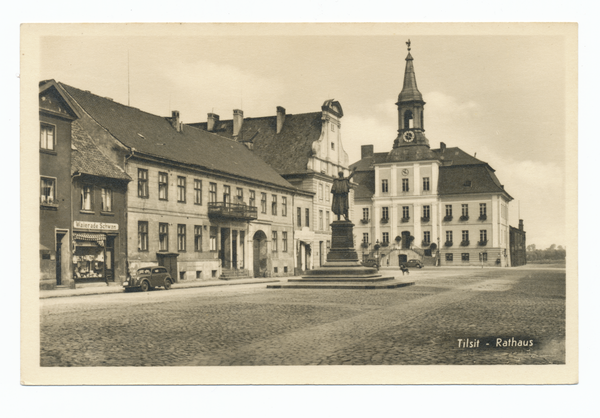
[{"x": 500, "y": 96}]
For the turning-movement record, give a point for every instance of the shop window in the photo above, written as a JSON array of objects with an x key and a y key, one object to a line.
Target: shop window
[
  {"x": 274, "y": 205},
  {"x": 449, "y": 257},
  {"x": 283, "y": 206},
  {"x": 274, "y": 240},
  {"x": 89, "y": 257},
  {"x": 163, "y": 237},
  {"x": 143, "y": 183},
  {"x": 181, "y": 237},
  {"x": 198, "y": 238},
  {"x": 263, "y": 203},
  {"x": 181, "y": 189},
  {"x": 252, "y": 201},
  {"x": 464, "y": 256},
  {"x": 142, "y": 236},
  {"x": 197, "y": 192},
  {"x": 212, "y": 192},
  {"x": 86, "y": 197},
  {"x": 163, "y": 186},
  {"x": 107, "y": 198},
  {"x": 47, "y": 191},
  {"x": 47, "y": 135},
  {"x": 284, "y": 241}
]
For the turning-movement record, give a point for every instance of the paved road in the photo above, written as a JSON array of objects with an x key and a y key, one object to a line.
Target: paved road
[{"x": 252, "y": 325}]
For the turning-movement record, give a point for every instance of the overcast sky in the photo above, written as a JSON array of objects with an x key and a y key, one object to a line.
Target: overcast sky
[{"x": 500, "y": 96}]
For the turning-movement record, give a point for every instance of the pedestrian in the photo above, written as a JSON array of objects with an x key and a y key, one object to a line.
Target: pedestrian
[{"x": 404, "y": 269}]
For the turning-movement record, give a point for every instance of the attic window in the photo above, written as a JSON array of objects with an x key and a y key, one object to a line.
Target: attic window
[{"x": 467, "y": 183}]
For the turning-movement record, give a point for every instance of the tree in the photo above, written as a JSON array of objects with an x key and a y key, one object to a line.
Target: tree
[{"x": 531, "y": 247}]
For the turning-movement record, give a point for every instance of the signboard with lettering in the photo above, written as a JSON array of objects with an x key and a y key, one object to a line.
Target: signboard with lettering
[{"x": 96, "y": 226}]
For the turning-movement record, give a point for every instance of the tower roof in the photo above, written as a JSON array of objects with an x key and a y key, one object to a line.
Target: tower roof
[{"x": 409, "y": 92}]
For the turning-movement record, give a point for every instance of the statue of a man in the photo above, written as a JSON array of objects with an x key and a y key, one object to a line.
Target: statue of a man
[{"x": 340, "y": 190}]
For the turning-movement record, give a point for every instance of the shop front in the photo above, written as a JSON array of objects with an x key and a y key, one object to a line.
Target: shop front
[{"x": 94, "y": 255}]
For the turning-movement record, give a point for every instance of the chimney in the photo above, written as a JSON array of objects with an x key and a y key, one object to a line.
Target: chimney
[
  {"x": 366, "y": 151},
  {"x": 442, "y": 146},
  {"x": 213, "y": 119},
  {"x": 280, "y": 118},
  {"x": 238, "y": 118},
  {"x": 520, "y": 224},
  {"x": 175, "y": 120}
]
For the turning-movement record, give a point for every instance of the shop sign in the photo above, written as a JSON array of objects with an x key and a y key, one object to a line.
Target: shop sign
[{"x": 96, "y": 226}]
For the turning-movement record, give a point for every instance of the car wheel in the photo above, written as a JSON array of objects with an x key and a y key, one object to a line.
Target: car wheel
[
  {"x": 144, "y": 286},
  {"x": 420, "y": 266},
  {"x": 167, "y": 284}
]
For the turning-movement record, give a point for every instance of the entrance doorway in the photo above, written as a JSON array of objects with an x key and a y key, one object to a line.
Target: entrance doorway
[
  {"x": 225, "y": 253},
  {"x": 402, "y": 258},
  {"x": 405, "y": 239},
  {"x": 259, "y": 254},
  {"x": 110, "y": 257},
  {"x": 59, "y": 258}
]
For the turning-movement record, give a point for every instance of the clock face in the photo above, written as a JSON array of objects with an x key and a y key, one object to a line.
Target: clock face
[
  {"x": 405, "y": 172},
  {"x": 409, "y": 136}
]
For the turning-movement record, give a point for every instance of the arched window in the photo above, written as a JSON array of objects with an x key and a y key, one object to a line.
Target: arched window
[{"x": 408, "y": 119}]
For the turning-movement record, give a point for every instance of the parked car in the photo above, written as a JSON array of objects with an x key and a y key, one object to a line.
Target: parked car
[
  {"x": 414, "y": 263},
  {"x": 149, "y": 278},
  {"x": 371, "y": 262}
]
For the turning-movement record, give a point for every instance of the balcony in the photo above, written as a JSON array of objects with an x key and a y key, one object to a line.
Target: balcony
[
  {"x": 482, "y": 217},
  {"x": 482, "y": 243},
  {"x": 465, "y": 243},
  {"x": 405, "y": 220},
  {"x": 425, "y": 219},
  {"x": 447, "y": 218},
  {"x": 364, "y": 221},
  {"x": 464, "y": 218},
  {"x": 385, "y": 220},
  {"x": 232, "y": 211}
]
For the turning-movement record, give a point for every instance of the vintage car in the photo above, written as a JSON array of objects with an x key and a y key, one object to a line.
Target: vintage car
[
  {"x": 413, "y": 263},
  {"x": 149, "y": 278}
]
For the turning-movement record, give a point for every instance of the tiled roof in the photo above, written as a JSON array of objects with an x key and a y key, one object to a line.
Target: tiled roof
[
  {"x": 154, "y": 135},
  {"x": 87, "y": 158},
  {"x": 366, "y": 184},
  {"x": 288, "y": 151},
  {"x": 455, "y": 156}
]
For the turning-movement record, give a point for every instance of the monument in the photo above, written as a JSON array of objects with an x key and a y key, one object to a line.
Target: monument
[{"x": 342, "y": 270}]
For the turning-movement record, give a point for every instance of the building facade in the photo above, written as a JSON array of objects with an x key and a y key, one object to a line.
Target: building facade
[
  {"x": 518, "y": 245},
  {"x": 442, "y": 206},
  {"x": 306, "y": 149}
]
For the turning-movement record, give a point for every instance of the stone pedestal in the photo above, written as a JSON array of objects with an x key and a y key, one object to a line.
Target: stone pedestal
[{"x": 342, "y": 270}]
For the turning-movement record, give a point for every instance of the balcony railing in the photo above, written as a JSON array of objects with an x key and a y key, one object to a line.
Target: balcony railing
[{"x": 232, "y": 211}]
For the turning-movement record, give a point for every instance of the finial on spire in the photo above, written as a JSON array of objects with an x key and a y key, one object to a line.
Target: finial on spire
[{"x": 408, "y": 44}]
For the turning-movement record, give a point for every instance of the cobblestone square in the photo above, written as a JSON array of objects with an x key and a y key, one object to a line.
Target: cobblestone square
[{"x": 450, "y": 316}]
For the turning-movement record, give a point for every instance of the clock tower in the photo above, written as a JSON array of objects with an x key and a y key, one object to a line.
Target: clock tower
[{"x": 410, "y": 109}]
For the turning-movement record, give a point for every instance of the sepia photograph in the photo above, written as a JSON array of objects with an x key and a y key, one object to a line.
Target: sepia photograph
[{"x": 299, "y": 203}]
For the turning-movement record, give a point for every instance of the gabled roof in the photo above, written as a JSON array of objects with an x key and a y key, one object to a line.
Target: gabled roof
[
  {"x": 288, "y": 151},
  {"x": 87, "y": 158},
  {"x": 154, "y": 136}
]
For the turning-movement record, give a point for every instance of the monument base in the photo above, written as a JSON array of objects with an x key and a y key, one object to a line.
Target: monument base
[{"x": 342, "y": 269}]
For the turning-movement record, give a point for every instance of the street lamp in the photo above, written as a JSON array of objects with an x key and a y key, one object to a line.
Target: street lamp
[{"x": 377, "y": 249}]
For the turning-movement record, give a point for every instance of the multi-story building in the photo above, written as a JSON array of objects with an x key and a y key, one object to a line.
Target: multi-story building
[
  {"x": 202, "y": 205},
  {"x": 305, "y": 149},
  {"x": 440, "y": 205},
  {"x": 518, "y": 245}
]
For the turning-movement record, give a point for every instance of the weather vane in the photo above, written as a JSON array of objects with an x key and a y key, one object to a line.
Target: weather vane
[{"x": 408, "y": 43}]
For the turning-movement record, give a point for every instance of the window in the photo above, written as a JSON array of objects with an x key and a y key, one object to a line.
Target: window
[
  {"x": 283, "y": 206},
  {"x": 142, "y": 236},
  {"x": 213, "y": 238},
  {"x": 333, "y": 145},
  {"x": 181, "y": 189},
  {"x": 464, "y": 256},
  {"x": 252, "y": 201},
  {"x": 482, "y": 256},
  {"x": 426, "y": 211},
  {"x": 405, "y": 212},
  {"x": 448, "y": 236},
  {"x": 197, "y": 192},
  {"x": 405, "y": 185},
  {"x": 449, "y": 257},
  {"x": 212, "y": 192},
  {"x": 465, "y": 210},
  {"x": 274, "y": 239},
  {"x": 163, "y": 186},
  {"x": 299, "y": 217},
  {"x": 385, "y": 213},
  {"x": 327, "y": 192},
  {"x": 426, "y": 237},
  {"x": 86, "y": 197},
  {"x": 307, "y": 217},
  {"x": 449, "y": 210},
  {"x": 240, "y": 195},
  {"x": 226, "y": 194},
  {"x": 386, "y": 237},
  {"x": 425, "y": 184},
  {"x": 366, "y": 214},
  {"x": 365, "y": 238},
  {"x": 465, "y": 236},
  {"x": 47, "y": 137},
  {"x": 284, "y": 242},
  {"x": 106, "y": 200},
  {"x": 181, "y": 237},
  {"x": 483, "y": 235},
  {"x": 321, "y": 191},
  {"x": 482, "y": 211},
  {"x": 263, "y": 203},
  {"x": 142, "y": 183},
  {"x": 274, "y": 205},
  {"x": 320, "y": 220},
  {"x": 47, "y": 190},
  {"x": 327, "y": 220},
  {"x": 163, "y": 237},
  {"x": 198, "y": 238},
  {"x": 384, "y": 186}
]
